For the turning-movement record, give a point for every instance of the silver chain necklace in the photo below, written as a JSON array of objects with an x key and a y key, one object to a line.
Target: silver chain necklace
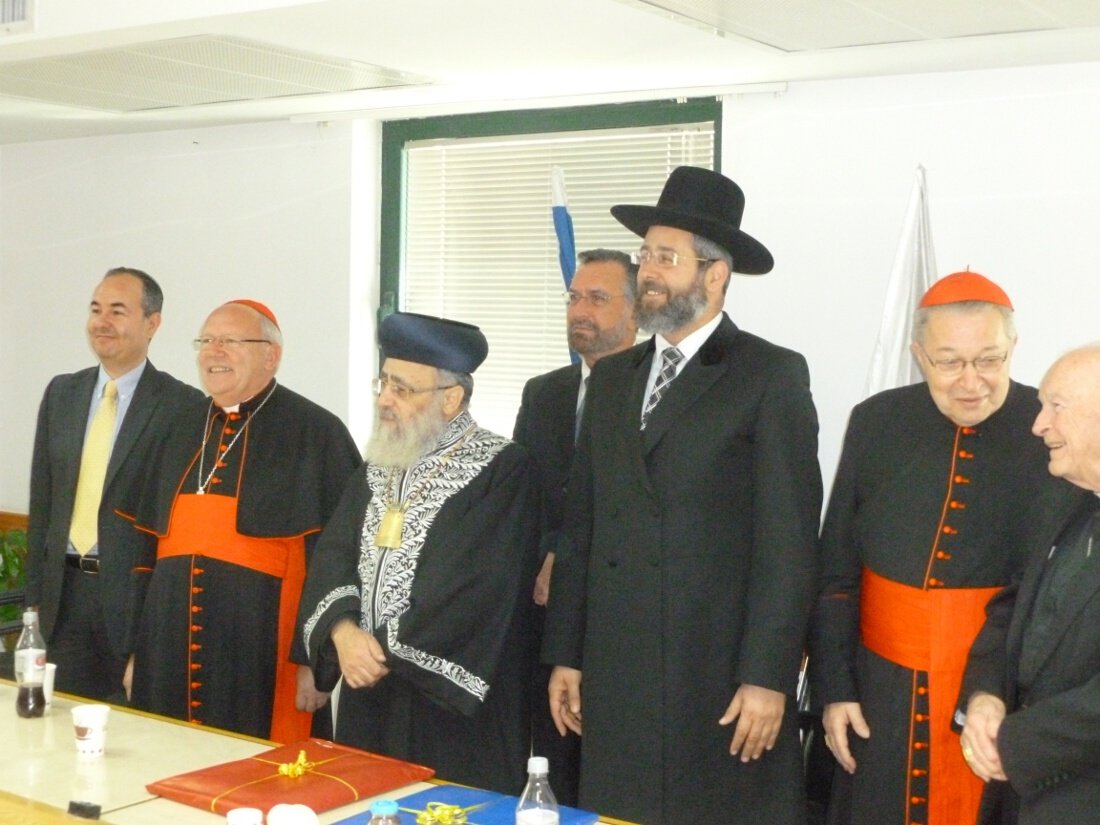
[{"x": 206, "y": 437}]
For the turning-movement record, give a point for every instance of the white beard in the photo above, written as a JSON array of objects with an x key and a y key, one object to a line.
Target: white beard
[{"x": 394, "y": 445}]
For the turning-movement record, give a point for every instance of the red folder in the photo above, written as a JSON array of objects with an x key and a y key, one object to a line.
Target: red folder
[{"x": 312, "y": 772}]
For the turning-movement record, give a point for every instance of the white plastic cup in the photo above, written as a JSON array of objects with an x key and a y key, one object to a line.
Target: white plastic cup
[
  {"x": 286, "y": 814},
  {"x": 244, "y": 816},
  {"x": 47, "y": 682},
  {"x": 90, "y": 728}
]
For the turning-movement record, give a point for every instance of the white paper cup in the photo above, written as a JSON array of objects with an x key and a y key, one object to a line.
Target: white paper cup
[
  {"x": 90, "y": 728},
  {"x": 287, "y": 814},
  {"x": 244, "y": 816},
  {"x": 47, "y": 682}
]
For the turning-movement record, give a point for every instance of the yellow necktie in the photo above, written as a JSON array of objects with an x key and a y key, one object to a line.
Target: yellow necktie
[{"x": 83, "y": 532}]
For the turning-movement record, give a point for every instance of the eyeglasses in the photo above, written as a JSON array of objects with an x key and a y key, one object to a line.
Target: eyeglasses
[
  {"x": 954, "y": 366},
  {"x": 597, "y": 299},
  {"x": 662, "y": 257},
  {"x": 401, "y": 391},
  {"x": 225, "y": 341}
]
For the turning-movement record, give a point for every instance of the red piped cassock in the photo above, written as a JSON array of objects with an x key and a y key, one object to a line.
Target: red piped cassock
[
  {"x": 926, "y": 521},
  {"x": 216, "y": 642}
]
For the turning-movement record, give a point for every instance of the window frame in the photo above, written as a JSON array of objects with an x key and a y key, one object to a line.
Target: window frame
[{"x": 396, "y": 134}]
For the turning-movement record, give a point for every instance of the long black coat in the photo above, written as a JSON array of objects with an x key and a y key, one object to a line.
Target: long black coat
[
  {"x": 58, "y": 443},
  {"x": 692, "y": 571},
  {"x": 1050, "y": 741}
]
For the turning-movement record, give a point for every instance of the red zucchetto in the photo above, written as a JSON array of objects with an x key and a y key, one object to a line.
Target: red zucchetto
[
  {"x": 964, "y": 286},
  {"x": 260, "y": 308}
]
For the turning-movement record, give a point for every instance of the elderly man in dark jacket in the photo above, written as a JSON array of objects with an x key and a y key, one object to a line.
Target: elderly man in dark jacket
[{"x": 1032, "y": 684}]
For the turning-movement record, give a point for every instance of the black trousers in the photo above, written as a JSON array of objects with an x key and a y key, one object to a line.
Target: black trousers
[{"x": 86, "y": 664}]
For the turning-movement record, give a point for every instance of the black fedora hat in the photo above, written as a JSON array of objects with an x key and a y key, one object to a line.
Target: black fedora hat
[{"x": 708, "y": 204}]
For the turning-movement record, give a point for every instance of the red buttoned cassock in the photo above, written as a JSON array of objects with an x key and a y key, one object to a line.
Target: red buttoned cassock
[
  {"x": 216, "y": 642},
  {"x": 925, "y": 522}
]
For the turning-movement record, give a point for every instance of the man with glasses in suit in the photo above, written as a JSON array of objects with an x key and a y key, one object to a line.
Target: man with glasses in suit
[{"x": 599, "y": 319}]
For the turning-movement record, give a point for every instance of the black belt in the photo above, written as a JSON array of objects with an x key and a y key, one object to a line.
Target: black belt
[{"x": 86, "y": 564}]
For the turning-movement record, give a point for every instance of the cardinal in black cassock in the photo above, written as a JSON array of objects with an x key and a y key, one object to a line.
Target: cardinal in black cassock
[{"x": 236, "y": 505}]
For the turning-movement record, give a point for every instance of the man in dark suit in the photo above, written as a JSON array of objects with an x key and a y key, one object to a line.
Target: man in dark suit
[
  {"x": 599, "y": 321},
  {"x": 79, "y": 560},
  {"x": 683, "y": 593},
  {"x": 1032, "y": 684}
]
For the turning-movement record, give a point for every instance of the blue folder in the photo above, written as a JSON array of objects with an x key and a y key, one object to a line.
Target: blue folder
[{"x": 485, "y": 807}]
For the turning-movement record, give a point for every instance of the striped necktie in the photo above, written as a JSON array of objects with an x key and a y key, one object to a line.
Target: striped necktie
[
  {"x": 669, "y": 359},
  {"x": 84, "y": 530}
]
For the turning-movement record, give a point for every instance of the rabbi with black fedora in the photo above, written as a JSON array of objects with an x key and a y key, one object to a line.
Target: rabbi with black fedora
[{"x": 680, "y": 602}]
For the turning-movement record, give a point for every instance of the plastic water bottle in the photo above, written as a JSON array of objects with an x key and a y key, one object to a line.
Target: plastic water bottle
[
  {"x": 30, "y": 668},
  {"x": 384, "y": 812},
  {"x": 537, "y": 805}
]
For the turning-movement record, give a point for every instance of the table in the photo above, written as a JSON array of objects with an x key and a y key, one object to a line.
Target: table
[
  {"x": 15, "y": 810},
  {"x": 43, "y": 764},
  {"x": 44, "y": 772}
]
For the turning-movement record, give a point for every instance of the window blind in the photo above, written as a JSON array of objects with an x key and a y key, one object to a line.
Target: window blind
[{"x": 479, "y": 243}]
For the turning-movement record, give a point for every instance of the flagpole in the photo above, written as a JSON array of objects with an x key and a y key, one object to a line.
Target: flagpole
[
  {"x": 913, "y": 271},
  {"x": 563, "y": 226}
]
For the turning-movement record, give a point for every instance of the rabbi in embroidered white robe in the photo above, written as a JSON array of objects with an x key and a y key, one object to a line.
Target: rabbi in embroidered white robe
[{"x": 426, "y": 618}]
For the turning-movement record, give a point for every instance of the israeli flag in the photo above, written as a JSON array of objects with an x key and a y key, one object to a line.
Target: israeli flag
[{"x": 563, "y": 226}]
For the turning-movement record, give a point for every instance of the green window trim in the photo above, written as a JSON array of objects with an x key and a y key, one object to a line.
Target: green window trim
[{"x": 398, "y": 133}]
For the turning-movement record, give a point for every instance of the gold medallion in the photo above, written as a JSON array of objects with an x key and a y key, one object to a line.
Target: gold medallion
[{"x": 391, "y": 527}]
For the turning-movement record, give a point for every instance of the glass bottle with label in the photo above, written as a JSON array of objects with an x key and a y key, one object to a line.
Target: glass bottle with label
[{"x": 30, "y": 668}]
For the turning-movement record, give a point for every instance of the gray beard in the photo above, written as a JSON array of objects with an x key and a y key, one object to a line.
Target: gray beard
[
  {"x": 602, "y": 341},
  {"x": 402, "y": 447},
  {"x": 678, "y": 311}
]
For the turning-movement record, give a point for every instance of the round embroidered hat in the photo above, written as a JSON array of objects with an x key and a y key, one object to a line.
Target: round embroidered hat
[
  {"x": 964, "y": 286},
  {"x": 437, "y": 342}
]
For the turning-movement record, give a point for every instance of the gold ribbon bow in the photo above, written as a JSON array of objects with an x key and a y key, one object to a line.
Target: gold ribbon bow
[
  {"x": 297, "y": 768},
  {"x": 440, "y": 813}
]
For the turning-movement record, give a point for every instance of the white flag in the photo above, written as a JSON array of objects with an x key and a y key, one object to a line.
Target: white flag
[{"x": 914, "y": 270}]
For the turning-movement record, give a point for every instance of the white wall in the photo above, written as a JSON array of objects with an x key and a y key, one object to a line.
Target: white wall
[
  {"x": 265, "y": 211},
  {"x": 1013, "y": 173},
  {"x": 288, "y": 214}
]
